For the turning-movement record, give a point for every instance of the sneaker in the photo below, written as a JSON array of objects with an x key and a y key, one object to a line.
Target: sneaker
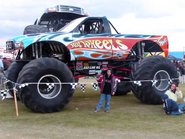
[
  {"x": 96, "y": 110},
  {"x": 107, "y": 111},
  {"x": 181, "y": 111}
]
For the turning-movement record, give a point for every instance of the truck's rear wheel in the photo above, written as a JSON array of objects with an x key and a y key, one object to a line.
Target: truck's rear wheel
[
  {"x": 42, "y": 97},
  {"x": 76, "y": 80},
  {"x": 123, "y": 88},
  {"x": 152, "y": 68},
  {"x": 12, "y": 74}
]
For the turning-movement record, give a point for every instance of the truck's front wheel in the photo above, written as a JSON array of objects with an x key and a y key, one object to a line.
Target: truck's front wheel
[{"x": 48, "y": 95}]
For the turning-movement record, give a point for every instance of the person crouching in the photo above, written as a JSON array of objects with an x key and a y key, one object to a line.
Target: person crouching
[
  {"x": 107, "y": 88},
  {"x": 170, "y": 106}
]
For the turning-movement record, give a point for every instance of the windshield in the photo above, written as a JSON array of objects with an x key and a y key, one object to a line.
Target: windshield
[{"x": 72, "y": 25}]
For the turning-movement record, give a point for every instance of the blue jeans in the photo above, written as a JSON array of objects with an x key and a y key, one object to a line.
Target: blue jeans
[
  {"x": 181, "y": 105},
  {"x": 174, "y": 112},
  {"x": 107, "y": 100}
]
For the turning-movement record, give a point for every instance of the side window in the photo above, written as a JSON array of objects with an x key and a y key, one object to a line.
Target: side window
[
  {"x": 112, "y": 30},
  {"x": 91, "y": 26}
]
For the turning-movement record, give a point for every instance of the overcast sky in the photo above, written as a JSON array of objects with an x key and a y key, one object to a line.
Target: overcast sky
[{"x": 161, "y": 17}]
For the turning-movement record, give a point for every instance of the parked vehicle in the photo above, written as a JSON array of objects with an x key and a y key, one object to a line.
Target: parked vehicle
[{"x": 84, "y": 47}]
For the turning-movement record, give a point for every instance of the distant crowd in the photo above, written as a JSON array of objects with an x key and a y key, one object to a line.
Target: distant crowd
[{"x": 181, "y": 68}]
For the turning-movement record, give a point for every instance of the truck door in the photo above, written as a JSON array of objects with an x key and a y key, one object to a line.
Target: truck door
[
  {"x": 119, "y": 50},
  {"x": 91, "y": 42}
]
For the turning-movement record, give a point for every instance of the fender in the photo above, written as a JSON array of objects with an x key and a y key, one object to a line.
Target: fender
[{"x": 47, "y": 49}]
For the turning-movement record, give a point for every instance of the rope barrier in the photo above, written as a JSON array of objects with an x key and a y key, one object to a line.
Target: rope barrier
[{"x": 74, "y": 85}]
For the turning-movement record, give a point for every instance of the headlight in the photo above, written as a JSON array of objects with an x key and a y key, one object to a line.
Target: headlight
[{"x": 19, "y": 45}]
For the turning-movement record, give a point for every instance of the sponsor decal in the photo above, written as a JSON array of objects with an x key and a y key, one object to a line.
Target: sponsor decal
[
  {"x": 120, "y": 54},
  {"x": 99, "y": 44},
  {"x": 99, "y": 63},
  {"x": 162, "y": 42},
  {"x": 92, "y": 71},
  {"x": 92, "y": 67},
  {"x": 98, "y": 71},
  {"x": 79, "y": 65},
  {"x": 105, "y": 63},
  {"x": 86, "y": 64},
  {"x": 104, "y": 66}
]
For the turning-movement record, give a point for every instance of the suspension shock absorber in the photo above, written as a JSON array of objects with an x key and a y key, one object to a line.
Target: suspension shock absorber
[
  {"x": 140, "y": 48},
  {"x": 33, "y": 50},
  {"x": 40, "y": 50},
  {"x": 36, "y": 51}
]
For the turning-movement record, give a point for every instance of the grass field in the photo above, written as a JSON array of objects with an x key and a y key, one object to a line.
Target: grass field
[{"x": 128, "y": 118}]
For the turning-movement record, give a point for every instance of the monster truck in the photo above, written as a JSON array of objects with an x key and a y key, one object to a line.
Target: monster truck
[
  {"x": 84, "y": 47},
  {"x": 55, "y": 18}
]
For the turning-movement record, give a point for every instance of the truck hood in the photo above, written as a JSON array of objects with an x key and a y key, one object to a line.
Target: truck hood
[{"x": 32, "y": 38}]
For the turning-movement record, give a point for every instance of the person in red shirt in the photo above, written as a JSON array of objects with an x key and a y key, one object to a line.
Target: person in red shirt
[{"x": 107, "y": 88}]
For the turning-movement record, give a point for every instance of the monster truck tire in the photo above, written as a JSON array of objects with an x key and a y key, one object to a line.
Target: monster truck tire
[
  {"x": 37, "y": 97},
  {"x": 122, "y": 88},
  {"x": 152, "y": 68},
  {"x": 12, "y": 74},
  {"x": 35, "y": 29}
]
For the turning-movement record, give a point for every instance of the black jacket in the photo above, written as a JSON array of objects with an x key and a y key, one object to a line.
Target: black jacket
[
  {"x": 182, "y": 70},
  {"x": 102, "y": 80}
]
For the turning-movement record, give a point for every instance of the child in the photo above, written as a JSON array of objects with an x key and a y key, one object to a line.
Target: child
[{"x": 107, "y": 87}]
